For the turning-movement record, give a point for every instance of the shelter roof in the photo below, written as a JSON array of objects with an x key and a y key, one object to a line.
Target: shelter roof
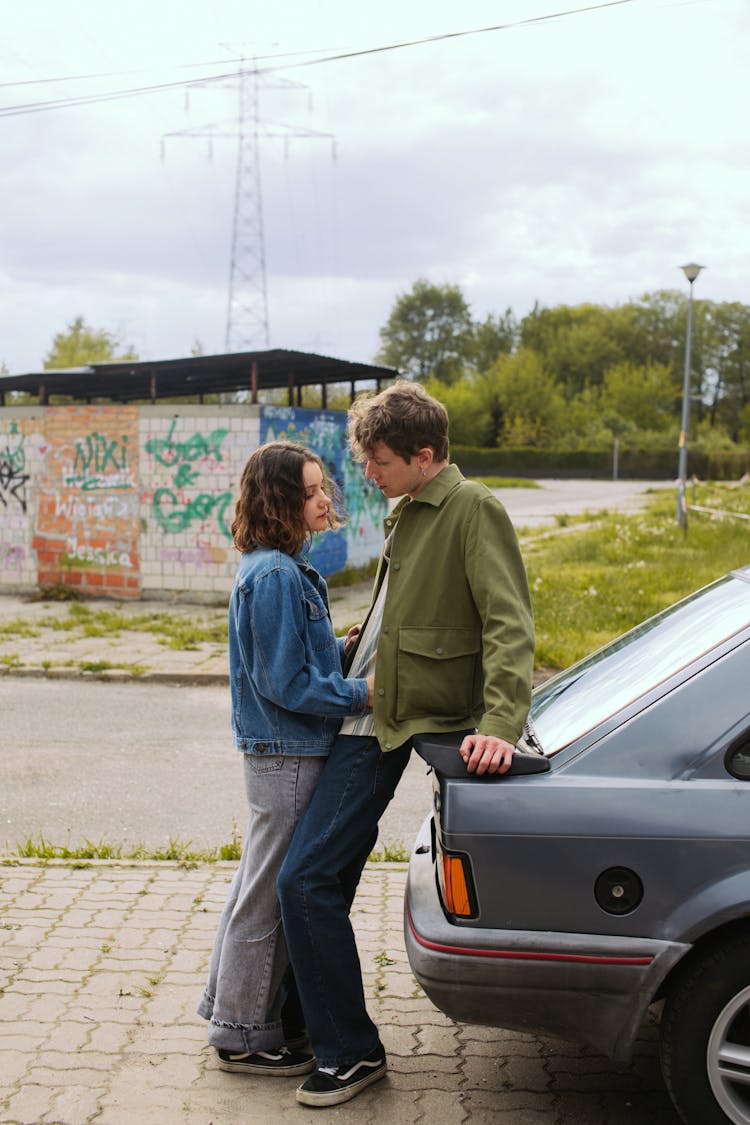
[{"x": 151, "y": 380}]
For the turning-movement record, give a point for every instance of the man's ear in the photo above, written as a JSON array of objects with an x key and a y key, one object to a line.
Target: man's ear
[{"x": 425, "y": 457}]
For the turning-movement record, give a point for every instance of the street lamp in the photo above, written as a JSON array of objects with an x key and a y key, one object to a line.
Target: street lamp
[{"x": 691, "y": 271}]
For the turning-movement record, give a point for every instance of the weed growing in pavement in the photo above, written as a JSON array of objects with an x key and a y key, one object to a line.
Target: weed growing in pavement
[
  {"x": 99, "y": 667},
  {"x": 175, "y": 852},
  {"x": 17, "y": 627},
  {"x": 58, "y": 592},
  {"x": 389, "y": 853},
  {"x": 177, "y": 630}
]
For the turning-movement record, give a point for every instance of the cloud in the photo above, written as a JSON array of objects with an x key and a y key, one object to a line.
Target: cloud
[{"x": 580, "y": 159}]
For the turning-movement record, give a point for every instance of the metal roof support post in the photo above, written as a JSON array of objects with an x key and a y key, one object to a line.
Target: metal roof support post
[
  {"x": 290, "y": 388},
  {"x": 254, "y": 383},
  {"x": 152, "y": 387},
  {"x": 324, "y": 396}
]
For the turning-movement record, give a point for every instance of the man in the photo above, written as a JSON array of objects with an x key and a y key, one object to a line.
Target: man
[{"x": 451, "y": 626}]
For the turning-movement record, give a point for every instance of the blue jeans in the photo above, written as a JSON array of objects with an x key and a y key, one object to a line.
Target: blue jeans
[{"x": 317, "y": 884}]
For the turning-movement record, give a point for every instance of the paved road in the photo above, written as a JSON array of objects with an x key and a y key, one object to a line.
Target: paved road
[
  {"x": 541, "y": 507},
  {"x": 133, "y": 763}
]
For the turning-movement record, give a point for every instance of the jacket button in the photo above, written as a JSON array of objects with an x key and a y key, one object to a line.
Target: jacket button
[
  {"x": 261, "y": 747},
  {"x": 440, "y": 651},
  {"x": 397, "y": 566},
  {"x": 381, "y": 691}
]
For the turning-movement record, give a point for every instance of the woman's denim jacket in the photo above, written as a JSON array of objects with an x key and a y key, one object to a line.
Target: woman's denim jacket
[{"x": 288, "y": 691}]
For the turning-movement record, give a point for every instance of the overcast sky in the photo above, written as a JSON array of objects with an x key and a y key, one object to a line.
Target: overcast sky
[{"x": 577, "y": 159}]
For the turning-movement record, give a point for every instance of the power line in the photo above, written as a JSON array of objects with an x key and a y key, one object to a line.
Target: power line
[{"x": 140, "y": 91}]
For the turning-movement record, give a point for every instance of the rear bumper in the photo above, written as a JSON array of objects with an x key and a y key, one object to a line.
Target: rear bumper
[{"x": 592, "y": 988}]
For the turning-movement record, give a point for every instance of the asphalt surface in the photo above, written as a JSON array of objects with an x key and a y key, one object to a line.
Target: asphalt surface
[{"x": 102, "y": 964}]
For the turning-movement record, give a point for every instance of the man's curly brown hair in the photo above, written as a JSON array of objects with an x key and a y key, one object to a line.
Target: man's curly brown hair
[
  {"x": 404, "y": 417},
  {"x": 270, "y": 508}
]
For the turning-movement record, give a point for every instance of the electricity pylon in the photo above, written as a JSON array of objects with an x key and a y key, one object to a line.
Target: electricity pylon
[{"x": 247, "y": 306}]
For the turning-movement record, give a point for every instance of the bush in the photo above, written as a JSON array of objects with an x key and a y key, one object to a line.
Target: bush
[{"x": 598, "y": 464}]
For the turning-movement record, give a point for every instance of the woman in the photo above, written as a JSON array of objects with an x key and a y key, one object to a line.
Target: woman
[{"x": 288, "y": 696}]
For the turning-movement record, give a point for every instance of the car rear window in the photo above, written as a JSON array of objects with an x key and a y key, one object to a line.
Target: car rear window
[{"x": 596, "y": 688}]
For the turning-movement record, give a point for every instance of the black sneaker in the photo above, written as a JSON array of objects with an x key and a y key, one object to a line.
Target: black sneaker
[
  {"x": 332, "y": 1086},
  {"x": 280, "y": 1061},
  {"x": 296, "y": 1039}
]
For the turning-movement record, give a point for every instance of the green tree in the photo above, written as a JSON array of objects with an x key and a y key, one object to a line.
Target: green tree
[
  {"x": 526, "y": 405},
  {"x": 643, "y": 396},
  {"x": 429, "y": 333},
  {"x": 82, "y": 345},
  {"x": 577, "y": 343},
  {"x": 471, "y": 421},
  {"x": 494, "y": 336}
]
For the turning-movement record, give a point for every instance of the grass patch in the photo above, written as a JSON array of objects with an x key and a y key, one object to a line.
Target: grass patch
[
  {"x": 389, "y": 853},
  {"x": 351, "y": 575},
  {"x": 506, "y": 482},
  {"x": 175, "y": 851},
  {"x": 58, "y": 592},
  {"x": 178, "y": 631},
  {"x": 17, "y": 627},
  {"x": 594, "y": 583},
  {"x": 100, "y": 667}
]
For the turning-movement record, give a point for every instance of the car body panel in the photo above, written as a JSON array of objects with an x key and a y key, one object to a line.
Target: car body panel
[
  {"x": 644, "y": 793},
  {"x": 587, "y": 987}
]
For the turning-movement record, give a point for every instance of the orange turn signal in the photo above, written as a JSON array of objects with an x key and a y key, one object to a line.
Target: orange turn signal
[{"x": 453, "y": 885}]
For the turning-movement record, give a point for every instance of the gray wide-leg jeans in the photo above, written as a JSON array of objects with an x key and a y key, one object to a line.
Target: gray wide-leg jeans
[{"x": 242, "y": 999}]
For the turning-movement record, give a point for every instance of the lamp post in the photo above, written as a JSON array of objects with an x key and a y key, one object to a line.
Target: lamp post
[{"x": 691, "y": 271}]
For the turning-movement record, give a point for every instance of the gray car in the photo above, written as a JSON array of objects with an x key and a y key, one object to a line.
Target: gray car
[{"x": 610, "y": 868}]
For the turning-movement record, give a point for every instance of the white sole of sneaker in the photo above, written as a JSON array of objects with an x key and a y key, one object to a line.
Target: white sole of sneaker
[
  {"x": 338, "y": 1097},
  {"x": 272, "y": 1071}
]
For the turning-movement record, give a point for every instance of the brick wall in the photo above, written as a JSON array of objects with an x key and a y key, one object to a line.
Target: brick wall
[{"x": 137, "y": 501}]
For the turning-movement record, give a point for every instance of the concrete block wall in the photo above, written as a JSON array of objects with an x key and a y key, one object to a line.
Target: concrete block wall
[{"x": 137, "y": 501}]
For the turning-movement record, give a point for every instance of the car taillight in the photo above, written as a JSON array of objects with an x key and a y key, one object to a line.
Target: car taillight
[
  {"x": 455, "y": 891},
  {"x": 456, "y": 887}
]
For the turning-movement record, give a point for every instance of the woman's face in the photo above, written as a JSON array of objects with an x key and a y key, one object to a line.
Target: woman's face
[{"x": 315, "y": 511}]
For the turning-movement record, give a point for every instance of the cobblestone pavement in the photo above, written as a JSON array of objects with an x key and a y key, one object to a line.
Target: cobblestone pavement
[{"x": 102, "y": 965}]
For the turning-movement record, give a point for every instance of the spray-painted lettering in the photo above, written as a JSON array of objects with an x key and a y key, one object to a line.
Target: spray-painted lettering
[
  {"x": 171, "y": 513},
  {"x": 169, "y": 452},
  {"x": 13, "y": 479},
  {"x": 172, "y": 516},
  {"x": 88, "y": 555}
]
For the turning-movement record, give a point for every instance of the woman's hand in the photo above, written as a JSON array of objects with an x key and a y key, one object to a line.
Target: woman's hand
[
  {"x": 351, "y": 637},
  {"x": 370, "y": 690}
]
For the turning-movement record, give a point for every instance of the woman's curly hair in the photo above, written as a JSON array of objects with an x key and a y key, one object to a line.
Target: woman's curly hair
[{"x": 270, "y": 508}]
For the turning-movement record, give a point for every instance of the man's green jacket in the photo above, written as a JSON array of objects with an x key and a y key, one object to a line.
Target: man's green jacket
[{"x": 456, "y": 646}]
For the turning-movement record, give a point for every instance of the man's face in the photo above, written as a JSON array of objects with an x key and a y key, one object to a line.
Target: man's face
[{"x": 391, "y": 473}]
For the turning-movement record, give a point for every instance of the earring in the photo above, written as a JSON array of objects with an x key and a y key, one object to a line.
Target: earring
[{"x": 424, "y": 472}]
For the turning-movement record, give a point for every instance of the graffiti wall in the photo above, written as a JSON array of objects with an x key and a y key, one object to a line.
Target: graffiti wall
[
  {"x": 134, "y": 501},
  {"x": 365, "y": 507}
]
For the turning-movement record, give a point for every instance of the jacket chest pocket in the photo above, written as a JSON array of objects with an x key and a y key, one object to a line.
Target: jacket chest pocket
[
  {"x": 319, "y": 627},
  {"x": 437, "y": 672}
]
